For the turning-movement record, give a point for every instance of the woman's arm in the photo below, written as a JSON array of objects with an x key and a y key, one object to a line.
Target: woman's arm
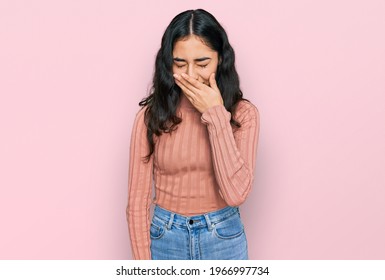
[
  {"x": 233, "y": 154},
  {"x": 139, "y": 190}
]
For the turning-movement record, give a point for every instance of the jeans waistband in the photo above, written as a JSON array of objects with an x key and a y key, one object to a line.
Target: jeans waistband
[{"x": 208, "y": 219}]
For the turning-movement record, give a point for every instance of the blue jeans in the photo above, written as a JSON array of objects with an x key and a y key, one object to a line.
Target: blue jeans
[{"x": 217, "y": 235}]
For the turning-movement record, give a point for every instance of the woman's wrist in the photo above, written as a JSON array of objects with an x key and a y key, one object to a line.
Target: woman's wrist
[{"x": 216, "y": 115}]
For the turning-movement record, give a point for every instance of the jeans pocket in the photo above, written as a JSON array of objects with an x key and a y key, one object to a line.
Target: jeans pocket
[
  {"x": 231, "y": 227},
  {"x": 156, "y": 231}
]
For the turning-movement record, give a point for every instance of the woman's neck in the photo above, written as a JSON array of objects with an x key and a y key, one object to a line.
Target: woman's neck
[{"x": 185, "y": 103}]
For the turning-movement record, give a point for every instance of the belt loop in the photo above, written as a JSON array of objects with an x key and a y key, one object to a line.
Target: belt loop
[
  {"x": 170, "y": 221},
  {"x": 209, "y": 224},
  {"x": 238, "y": 211}
]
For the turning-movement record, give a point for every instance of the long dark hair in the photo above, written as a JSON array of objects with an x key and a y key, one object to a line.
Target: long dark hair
[{"x": 160, "y": 114}]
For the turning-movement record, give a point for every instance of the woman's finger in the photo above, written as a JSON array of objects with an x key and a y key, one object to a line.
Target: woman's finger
[
  {"x": 213, "y": 82},
  {"x": 186, "y": 90},
  {"x": 186, "y": 83},
  {"x": 195, "y": 83}
]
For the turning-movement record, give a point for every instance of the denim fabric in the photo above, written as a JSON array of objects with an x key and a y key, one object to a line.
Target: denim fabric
[{"x": 217, "y": 235}]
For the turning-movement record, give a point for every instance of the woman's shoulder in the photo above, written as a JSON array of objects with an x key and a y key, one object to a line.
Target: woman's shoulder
[
  {"x": 140, "y": 115},
  {"x": 141, "y": 110},
  {"x": 246, "y": 110}
]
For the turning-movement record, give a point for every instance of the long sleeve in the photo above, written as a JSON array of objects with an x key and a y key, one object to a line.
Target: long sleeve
[
  {"x": 140, "y": 180},
  {"x": 233, "y": 154}
]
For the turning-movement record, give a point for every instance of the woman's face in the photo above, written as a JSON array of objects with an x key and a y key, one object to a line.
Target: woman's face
[{"x": 193, "y": 57}]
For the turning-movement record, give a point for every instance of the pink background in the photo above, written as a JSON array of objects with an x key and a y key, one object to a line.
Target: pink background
[{"x": 73, "y": 72}]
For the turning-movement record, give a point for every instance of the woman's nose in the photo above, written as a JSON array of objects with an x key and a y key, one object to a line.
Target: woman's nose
[{"x": 191, "y": 72}]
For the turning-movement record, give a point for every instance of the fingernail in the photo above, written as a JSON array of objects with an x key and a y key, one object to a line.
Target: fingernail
[
  {"x": 175, "y": 76},
  {"x": 184, "y": 75}
]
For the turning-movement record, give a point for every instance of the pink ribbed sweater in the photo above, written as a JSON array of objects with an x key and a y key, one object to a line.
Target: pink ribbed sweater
[{"x": 202, "y": 166}]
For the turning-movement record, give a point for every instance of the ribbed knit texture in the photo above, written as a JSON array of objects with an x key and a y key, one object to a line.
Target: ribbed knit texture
[{"x": 202, "y": 166}]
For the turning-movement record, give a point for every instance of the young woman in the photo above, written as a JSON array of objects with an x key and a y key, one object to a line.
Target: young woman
[{"x": 196, "y": 138}]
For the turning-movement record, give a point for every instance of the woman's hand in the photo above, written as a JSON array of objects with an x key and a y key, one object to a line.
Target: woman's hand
[{"x": 201, "y": 96}]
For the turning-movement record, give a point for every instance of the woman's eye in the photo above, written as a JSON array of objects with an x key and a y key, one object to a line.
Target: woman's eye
[{"x": 181, "y": 66}]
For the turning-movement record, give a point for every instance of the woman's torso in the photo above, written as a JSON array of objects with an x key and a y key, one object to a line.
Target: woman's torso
[{"x": 183, "y": 171}]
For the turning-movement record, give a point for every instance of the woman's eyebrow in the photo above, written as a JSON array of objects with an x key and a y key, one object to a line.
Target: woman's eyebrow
[{"x": 197, "y": 59}]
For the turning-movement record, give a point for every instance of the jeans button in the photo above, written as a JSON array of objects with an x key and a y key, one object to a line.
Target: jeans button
[{"x": 191, "y": 222}]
